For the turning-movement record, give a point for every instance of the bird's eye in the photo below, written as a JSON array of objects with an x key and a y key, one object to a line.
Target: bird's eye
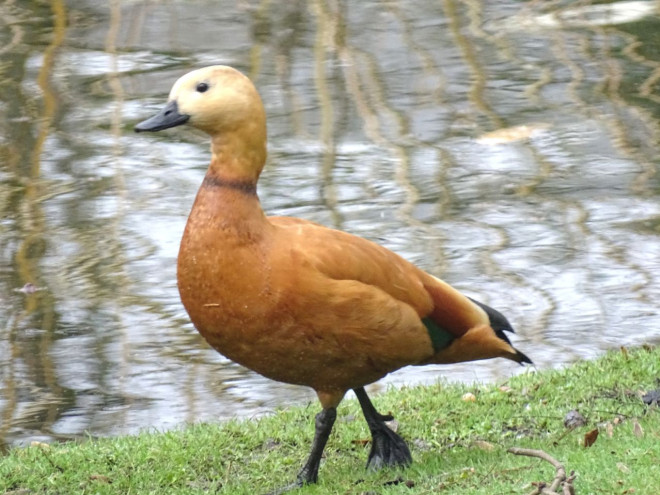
[{"x": 202, "y": 87}]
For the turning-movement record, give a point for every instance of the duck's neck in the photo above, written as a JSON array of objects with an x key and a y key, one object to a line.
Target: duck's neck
[
  {"x": 227, "y": 198},
  {"x": 239, "y": 155}
]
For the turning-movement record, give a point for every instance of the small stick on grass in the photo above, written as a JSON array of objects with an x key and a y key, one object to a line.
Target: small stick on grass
[
  {"x": 50, "y": 461},
  {"x": 560, "y": 473}
]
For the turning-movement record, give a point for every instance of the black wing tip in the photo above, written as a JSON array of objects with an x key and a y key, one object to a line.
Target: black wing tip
[
  {"x": 523, "y": 359},
  {"x": 497, "y": 320}
]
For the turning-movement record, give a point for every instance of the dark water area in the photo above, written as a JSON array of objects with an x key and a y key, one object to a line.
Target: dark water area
[{"x": 510, "y": 148}]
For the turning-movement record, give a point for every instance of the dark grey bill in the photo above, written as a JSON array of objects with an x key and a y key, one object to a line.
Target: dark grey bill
[{"x": 166, "y": 118}]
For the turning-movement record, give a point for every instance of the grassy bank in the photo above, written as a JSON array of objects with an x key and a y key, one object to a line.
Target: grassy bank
[{"x": 459, "y": 445}]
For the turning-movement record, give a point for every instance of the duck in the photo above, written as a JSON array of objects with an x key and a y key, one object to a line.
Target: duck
[{"x": 298, "y": 302}]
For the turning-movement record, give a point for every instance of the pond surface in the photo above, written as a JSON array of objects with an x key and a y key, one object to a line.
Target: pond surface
[{"x": 509, "y": 147}]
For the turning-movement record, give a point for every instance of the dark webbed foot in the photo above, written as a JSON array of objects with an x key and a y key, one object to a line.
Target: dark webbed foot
[
  {"x": 387, "y": 448},
  {"x": 310, "y": 471}
]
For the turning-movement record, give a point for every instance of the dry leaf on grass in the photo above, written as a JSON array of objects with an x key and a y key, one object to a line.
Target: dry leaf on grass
[
  {"x": 100, "y": 477},
  {"x": 361, "y": 441},
  {"x": 483, "y": 445},
  {"x": 41, "y": 445},
  {"x": 609, "y": 428},
  {"x": 590, "y": 437}
]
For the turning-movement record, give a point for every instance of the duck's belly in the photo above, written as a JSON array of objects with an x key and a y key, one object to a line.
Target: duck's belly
[
  {"x": 297, "y": 327},
  {"x": 285, "y": 350}
]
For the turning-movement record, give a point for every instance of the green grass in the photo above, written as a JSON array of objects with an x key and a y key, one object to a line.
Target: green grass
[{"x": 458, "y": 446}]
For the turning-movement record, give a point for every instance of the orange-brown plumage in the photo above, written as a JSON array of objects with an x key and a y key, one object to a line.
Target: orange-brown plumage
[{"x": 291, "y": 299}]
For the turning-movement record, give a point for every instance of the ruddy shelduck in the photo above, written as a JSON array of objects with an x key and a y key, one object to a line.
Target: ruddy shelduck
[{"x": 296, "y": 301}]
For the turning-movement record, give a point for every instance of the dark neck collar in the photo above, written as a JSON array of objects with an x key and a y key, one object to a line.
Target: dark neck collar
[{"x": 244, "y": 186}]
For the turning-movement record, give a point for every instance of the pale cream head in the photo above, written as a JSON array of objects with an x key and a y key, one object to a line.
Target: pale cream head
[
  {"x": 218, "y": 99},
  {"x": 222, "y": 102}
]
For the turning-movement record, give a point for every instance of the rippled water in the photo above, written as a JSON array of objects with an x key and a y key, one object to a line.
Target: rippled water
[{"x": 508, "y": 147}]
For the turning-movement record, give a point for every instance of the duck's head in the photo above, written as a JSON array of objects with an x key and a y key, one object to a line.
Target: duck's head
[
  {"x": 214, "y": 99},
  {"x": 220, "y": 101}
]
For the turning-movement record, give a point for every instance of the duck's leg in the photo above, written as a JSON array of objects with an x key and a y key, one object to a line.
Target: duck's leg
[
  {"x": 387, "y": 448},
  {"x": 310, "y": 471}
]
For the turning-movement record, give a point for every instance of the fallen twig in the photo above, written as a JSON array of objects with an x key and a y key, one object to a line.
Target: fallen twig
[
  {"x": 50, "y": 461},
  {"x": 560, "y": 480}
]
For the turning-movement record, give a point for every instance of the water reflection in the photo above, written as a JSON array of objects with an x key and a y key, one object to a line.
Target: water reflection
[{"x": 509, "y": 148}]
